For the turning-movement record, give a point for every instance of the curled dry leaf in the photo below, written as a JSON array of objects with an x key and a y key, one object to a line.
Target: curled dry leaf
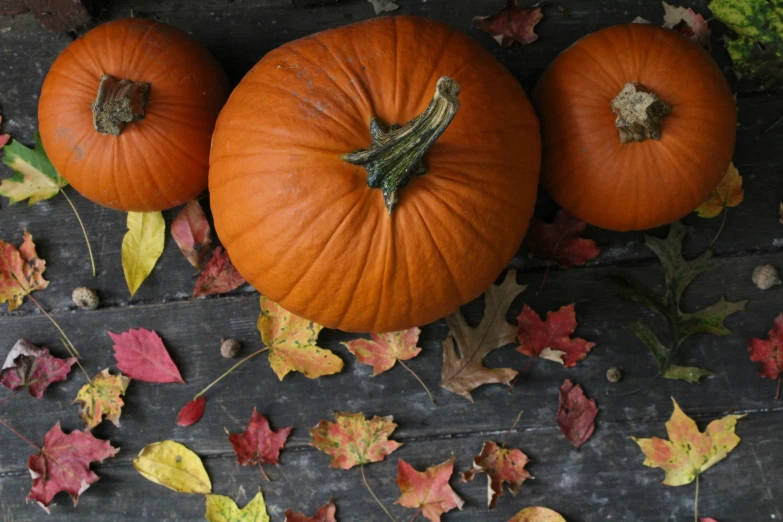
[
  {"x": 102, "y": 398},
  {"x": 429, "y": 490},
  {"x": 537, "y": 514},
  {"x": 173, "y": 465},
  {"x": 192, "y": 412},
  {"x": 21, "y": 272},
  {"x": 728, "y": 193},
  {"x": 575, "y": 413},
  {"x": 142, "y": 246},
  {"x": 224, "y": 509},
  {"x": 191, "y": 231},
  {"x": 501, "y": 466},
  {"x": 258, "y": 444},
  {"x": 383, "y": 6},
  {"x": 551, "y": 339},
  {"x": 325, "y": 513},
  {"x": 353, "y": 440},
  {"x": 688, "y": 23},
  {"x": 384, "y": 350},
  {"x": 219, "y": 276},
  {"x": 141, "y": 355},
  {"x": 769, "y": 352},
  {"x": 34, "y": 179},
  {"x": 560, "y": 241},
  {"x": 31, "y": 367},
  {"x": 511, "y": 24},
  {"x": 63, "y": 464}
]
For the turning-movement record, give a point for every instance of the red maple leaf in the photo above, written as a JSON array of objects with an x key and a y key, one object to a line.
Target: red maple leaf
[
  {"x": 324, "y": 514},
  {"x": 28, "y": 366},
  {"x": 560, "y": 241},
  {"x": 219, "y": 276},
  {"x": 551, "y": 339},
  {"x": 192, "y": 412},
  {"x": 576, "y": 413},
  {"x": 769, "y": 352},
  {"x": 191, "y": 231},
  {"x": 258, "y": 444},
  {"x": 511, "y": 24},
  {"x": 429, "y": 490},
  {"x": 63, "y": 464},
  {"x": 501, "y": 465},
  {"x": 141, "y": 355},
  {"x": 385, "y": 349}
]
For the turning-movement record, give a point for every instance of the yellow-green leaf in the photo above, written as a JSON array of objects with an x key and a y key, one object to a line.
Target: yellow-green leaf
[
  {"x": 102, "y": 397},
  {"x": 173, "y": 465},
  {"x": 728, "y": 193},
  {"x": 224, "y": 509},
  {"x": 142, "y": 246},
  {"x": 537, "y": 514},
  {"x": 292, "y": 343},
  {"x": 34, "y": 176}
]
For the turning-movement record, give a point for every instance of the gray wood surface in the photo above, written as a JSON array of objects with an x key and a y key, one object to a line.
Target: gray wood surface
[{"x": 603, "y": 481}]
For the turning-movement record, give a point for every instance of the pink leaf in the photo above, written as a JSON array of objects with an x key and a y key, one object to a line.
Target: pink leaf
[
  {"x": 192, "y": 412},
  {"x": 141, "y": 355},
  {"x": 219, "y": 276},
  {"x": 576, "y": 413},
  {"x": 191, "y": 231},
  {"x": 28, "y": 366},
  {"x": 511, "y": 24}
]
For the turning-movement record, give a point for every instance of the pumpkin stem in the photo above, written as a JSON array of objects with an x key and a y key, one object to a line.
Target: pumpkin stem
[
  {"x": 397, "y": 151},
  {"x": 118, "y": 102},
  {"x": 638, "y": 113}
]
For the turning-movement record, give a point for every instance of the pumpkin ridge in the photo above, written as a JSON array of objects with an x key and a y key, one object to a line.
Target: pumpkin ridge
[{"x": 363, "y": 93}]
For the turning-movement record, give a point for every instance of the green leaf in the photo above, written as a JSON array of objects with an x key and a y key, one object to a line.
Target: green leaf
[
  {"x": 650, "y": 340},
  {"x": 709, "y": 320},
  {"x": 757, "y": 49},
  {"x": 34, "y": 179},
  {"x": 691, "y": 374},
  {"x": 224, "y": 509}
]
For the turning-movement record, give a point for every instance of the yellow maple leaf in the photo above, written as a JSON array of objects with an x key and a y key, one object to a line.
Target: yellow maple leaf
[
  {"x": 728, "y": 193},
  {"x": 292, "y": 343},
  {"x": 173, "y": 465},
  {"x": 537, "y": 514},
  {"x": 223, "y": 509},
  {"x": 142, "y": 246},
  {"x": 102, "y": 397}
]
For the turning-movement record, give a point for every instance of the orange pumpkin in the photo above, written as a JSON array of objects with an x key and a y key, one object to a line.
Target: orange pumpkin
[
  {"x": 638, "y": 127},
  {"x": 376, "y": 176},
  {"x": 126, "y": 114}
]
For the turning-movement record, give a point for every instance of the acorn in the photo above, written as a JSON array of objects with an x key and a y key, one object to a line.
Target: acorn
[
  {"x": 765, "y": 277},
  {"x": 85, "y": 298},
  {"x": 229, "y": 348},
  {"x": 614, "y": 375}
]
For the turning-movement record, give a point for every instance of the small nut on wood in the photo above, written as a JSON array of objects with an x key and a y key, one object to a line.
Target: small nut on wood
[
  {"x": 614, "y": 375},
  {"x": 85, "y": 298},
  {"x": 229, "y": 348},
  {"x": 765, "y": 277}
]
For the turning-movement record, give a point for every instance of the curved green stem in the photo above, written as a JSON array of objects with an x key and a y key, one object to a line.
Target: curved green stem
[
  {"x": 84, "y": 231},
  {"x": 68, "y": 343},
  {"x": 367, "y": 485},
  {"x": 237, "y": 365}
]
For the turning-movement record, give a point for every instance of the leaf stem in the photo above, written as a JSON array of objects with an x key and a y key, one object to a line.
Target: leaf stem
[
  {"x": 31, "y": 443},
  {"x": 777, "y": 394},
  {"x": 725, "y": 213},
  {"x": 416, "y": 515},
  {"x": 367, "y": 485},
  {"x": 429, "y": 394},
  {"x": 237, "y": 365},
  {"x": 68, "y": 344},
  {"x": 263, "y": 473},
  {"x": 696, "y": 502},
  {"x": 84, "y": 231},
  {"x": 550, "y": 261},
  {"x": 505, "y": 437},
  {"x": 86, "y": 375}
]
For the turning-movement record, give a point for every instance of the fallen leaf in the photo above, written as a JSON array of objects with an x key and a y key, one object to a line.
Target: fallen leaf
[
  {"x": 21, "y": 272},
  {"x": 511, "y": 24},
  {"x": 352, "y": 440},
  {"x": 465, "y": 347},
  {"x": 688, "y": 23},
  {"x": 142, "y": 246},
  {"x": 690, "y": 374},
  {"x": 383, "y": 6},
  {"x": 575, "y": 414},
  {"x": 34, "y": 179},
  {"x": 706, "y": 519},
  {"x": 769, "y": 352},
  {"x": 537, "y": 514},
  {"x": 102, "y": 398},
  {"x": 384, "y": 350},
  {"x": 429, "y": 490},
  {"x": 191, "y": 231},
  {"x": 501, "y": 465},
  {"x": 551, "y": 339},
  {"x": 63, "y": 464},
  {"x": 31, "y": 367},
  {"x": 141, "y": 355},
  {"x": 560, "y": 241},
  {"x": 689, "y": 453},
  {"x": 3, "y": 138},
  {"x": 219, "y": 276},
  {"x": 173, "y": 465},
  {"x": 192, "y": 412},
  {"x": 258, "y": 444},
  {"x": 324, "y": 514},
  {"x": 292, "y": 343},
  {"x": 728, "y": 193},
  {"x": 224, "y": 509}
]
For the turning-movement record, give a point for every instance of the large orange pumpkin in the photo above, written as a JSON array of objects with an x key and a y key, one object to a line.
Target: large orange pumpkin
[
  {"x": 126, "y": 114},
  {"x": 329, "y": 207},
  {"x": 638, "y": 127}
]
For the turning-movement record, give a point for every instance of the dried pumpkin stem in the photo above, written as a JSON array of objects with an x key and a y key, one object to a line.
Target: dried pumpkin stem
[
  {"x": 397, "y": 151},
  {"x": 638, "y": 113},
  {"x": 118, "y": 102}
]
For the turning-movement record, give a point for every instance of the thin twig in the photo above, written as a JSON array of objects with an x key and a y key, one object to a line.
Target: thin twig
[
  {"x": 84, "y": 231},
  {"x": 418, "y": 379},
  {"x": 31, "y": 443},
  {"x": 68, "y": 343},
  {"x": 367, "y": 485},
  {"x": 505, "y": 438},
  {"x": 202, "y": 392}
]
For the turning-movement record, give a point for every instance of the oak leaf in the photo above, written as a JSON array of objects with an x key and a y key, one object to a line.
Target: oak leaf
[
  {"x": 560, "y": 241},
  {"x": 465, "y": 347},
  {"x": 258, "y": 444},
  {"x": 34, "y": 179},
  {"x": 537, "y": 514},
  {"x": 688, "y": 23},
  {"x": 192, "y": 412},
  {"x": 769, "y": 352},
  {"x": 353, "y": 440},
  {"x": 63, "y": 464},
  {"x": 292, "y": 343},
  {"x": 575, "y": 413},
  {"x": 219, "y": 276},
  {"x": 384, "y": 350},
  {"x": 21, "y": 272},
  {"x": 173, "y": 465},
  {"x": 191, "y": 231},
  {"x": 429, "y": 490},
  {"x": 223, "y": 509},
  {"x": 324, "y": 514},
  {"x": 551, "y": 339},
  {"x": 728, "y": 193},
  {"x": 31, "y": 367},
  {"x": 511, "y": 24},
  {"x": 141, "y": 355},
  {"x": 501, "y": 466},
  {"x": 102, "y": 398},
  {"x": 142, "y": 246}
]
